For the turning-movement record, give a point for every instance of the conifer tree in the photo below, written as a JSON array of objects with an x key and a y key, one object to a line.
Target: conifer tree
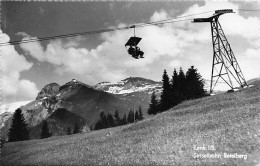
[
  {"x": 153, "y": 107},
  {"x": 19, "y": 129},
  {"x": 182, "y": 84},
  {"x": 140, "y": 113},
  {"x": 2, "y": 141},
  {"x": 117, "y": 118},
  {"x": 130, "y": 117},
  {"x": 177, "y": 96},
  {"x": 45, "y": 130},
  {"x": 136, "y": 116},
  {"x": 165, "y": 102},
  {"x": 111, "y": 121},
  {"x": 68, "y": 131},
  {"x": 174, "y": 81},
  {"x": 195, "y": 85},
  {"x": 99, "y": 125},
  {"x": 124, "y": 120},
  {"x": 76, "y": 129},
  {"x": 104, "y": 120}
]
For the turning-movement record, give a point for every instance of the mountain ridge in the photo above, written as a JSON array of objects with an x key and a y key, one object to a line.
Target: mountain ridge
[
  {"x": 85, "y": 102},
  {"x": 130, "y": 85}
]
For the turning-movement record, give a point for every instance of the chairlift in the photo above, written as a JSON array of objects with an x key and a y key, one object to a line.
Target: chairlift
[{"x": 132, "y": 47}]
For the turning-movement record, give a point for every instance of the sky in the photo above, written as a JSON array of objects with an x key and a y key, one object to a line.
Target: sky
[{"x": 27, "y": 68}]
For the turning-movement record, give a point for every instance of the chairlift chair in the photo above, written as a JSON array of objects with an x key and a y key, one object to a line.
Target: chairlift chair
[{"x": 132, "y": 47}]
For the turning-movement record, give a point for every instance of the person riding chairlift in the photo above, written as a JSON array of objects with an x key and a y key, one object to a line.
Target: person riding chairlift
[{"x": 132, "y": 51}]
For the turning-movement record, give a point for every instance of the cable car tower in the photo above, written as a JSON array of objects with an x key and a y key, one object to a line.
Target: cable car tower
[{"x": 225, "y": 65}]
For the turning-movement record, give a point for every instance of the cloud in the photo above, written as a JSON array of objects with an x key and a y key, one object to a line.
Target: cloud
[
  {"x": 251, "y": 63},
  {"x": 165, "y": 46},
  {"x": 12, "y": 64}
]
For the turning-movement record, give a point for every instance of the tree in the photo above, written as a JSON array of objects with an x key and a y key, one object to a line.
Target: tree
[
  {"x": 45, "y": 130},
  {"x": 195, "y": 85},
  {"x": 153, "y": 107},
  {"x": 130, "y": 117},
  {"x": 104, "y": 121},
  {"x": 123, "y": 120},
  {"x": 117, "y": 118},
  {"x": 68, "y": 131},
  {"x": 19, "y": 130},
  {"x": 111, "y": 121},
  {"x": 136, "y": 115},
  {"x": 2, "y": 142},
  {"x": 177, "y": 96},
  {"x": 99, "y": 125},
  {"x": 165, "y": 102},
  {"x": 140, "y": 113},
  {"x": 182, "y": 85},
  {"x": 76, "y": 129}
]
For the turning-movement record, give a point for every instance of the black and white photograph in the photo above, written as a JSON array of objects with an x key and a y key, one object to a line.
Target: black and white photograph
[{"x": 130, "y": 82}]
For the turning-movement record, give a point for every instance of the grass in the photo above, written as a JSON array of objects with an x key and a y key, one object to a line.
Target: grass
[{"x": 229, "y": 122}]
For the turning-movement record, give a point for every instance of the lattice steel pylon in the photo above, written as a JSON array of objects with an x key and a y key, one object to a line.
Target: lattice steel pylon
[{"x": 224, "y": 64}]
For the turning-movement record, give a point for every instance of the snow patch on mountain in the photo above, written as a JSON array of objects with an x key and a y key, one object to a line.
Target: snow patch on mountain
[
  {"x": 11, "y": 107},
  {"x": 130, "y": 85},
  {"x": 121, "y": 90}
]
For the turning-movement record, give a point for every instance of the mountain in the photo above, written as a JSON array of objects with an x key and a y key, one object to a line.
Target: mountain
[
  {"x": 48, "y": 91},
  {"x": 130, "y": 85},
  {"x": 59, "y": 121},
  {"x": 84, "y": 103}
]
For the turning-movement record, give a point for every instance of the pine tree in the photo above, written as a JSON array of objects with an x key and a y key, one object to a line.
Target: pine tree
[
  {"x": 182, "y": 81},
  {"x": 130, "y": 117},
  {"x": 195, "y": 85},
  {"x": 165, "y": 102},
  {"x": 19, "y": 129},
  {"x": 45, "y": 130},
  {"x": 68, "y": 131},
  {"x": 117, "y": 118},
  {"x": 177, "y": 96},
  {"x": 182, "y": 85},
  {"x": 2, "y": 141},
  {"x": 124, "y": 120},
  {"x": 140, "y": 113},
  {"x": 111, "y": 121},
  {"x": 76, "y": 129},
  {"x": 153, "y": 107},
  {"x": 104, "y": 120},
  {"x": 99, "y": 125},
  {"x": 136, "y": 116}
]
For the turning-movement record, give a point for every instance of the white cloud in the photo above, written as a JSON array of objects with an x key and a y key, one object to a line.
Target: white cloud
[
  {"x": 174, "y": 45},
  {"x": 13, "y": 88},
  {"x": 251, "y": 63},
  {"x": 158, "y": 16}
]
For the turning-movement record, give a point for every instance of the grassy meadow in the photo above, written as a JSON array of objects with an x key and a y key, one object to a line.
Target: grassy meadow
[{"x": 227, "y": 123}]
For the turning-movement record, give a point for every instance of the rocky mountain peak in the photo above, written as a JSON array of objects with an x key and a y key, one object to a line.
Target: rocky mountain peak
[
  {"x": 73, "y": 83},
  {"x": 138, "y": 81},
  {"x": 48, "y": 91}
]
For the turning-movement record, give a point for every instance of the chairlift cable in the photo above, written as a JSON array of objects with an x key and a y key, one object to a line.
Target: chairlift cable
[{"x": 154, "y": 23}]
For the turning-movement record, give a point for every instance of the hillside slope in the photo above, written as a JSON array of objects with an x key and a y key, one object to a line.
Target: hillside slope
[{"x": 228, "y": 123}]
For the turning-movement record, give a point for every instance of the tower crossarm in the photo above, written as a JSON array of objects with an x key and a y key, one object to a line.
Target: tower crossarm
[{"x": 215, "y": 15}]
